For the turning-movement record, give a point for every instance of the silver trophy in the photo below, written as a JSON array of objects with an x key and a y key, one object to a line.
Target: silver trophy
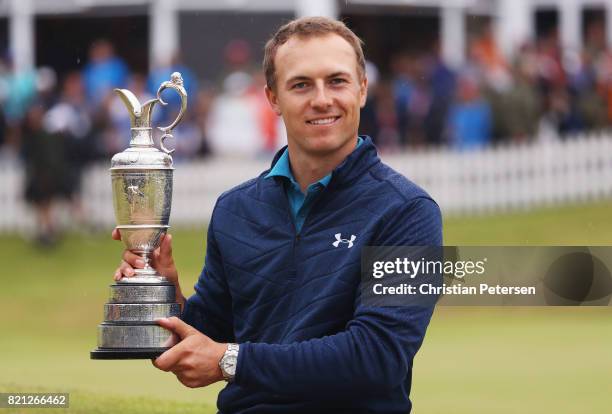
[{"x": 142, "y": 195}]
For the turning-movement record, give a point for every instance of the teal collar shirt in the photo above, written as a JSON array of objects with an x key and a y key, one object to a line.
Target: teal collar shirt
[{"x": 299, "y": 203}]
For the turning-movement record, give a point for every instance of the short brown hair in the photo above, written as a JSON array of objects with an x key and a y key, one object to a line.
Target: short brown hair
[{"x": 306, "y": 27}]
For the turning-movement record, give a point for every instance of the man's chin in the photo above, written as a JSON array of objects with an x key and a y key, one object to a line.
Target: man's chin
[
  {"x": 322, "y": 147},
  {"x": 324, "y": 144}
]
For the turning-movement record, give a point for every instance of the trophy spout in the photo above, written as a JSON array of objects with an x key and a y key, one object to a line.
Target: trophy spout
[
  {"x": 140, "y": 118},
  {"x": 140, "y": 114}
]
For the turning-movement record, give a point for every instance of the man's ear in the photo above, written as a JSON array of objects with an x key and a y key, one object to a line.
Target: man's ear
[
  {"x": 272, "y": 100},
  {"x": 363, "y": 91}
]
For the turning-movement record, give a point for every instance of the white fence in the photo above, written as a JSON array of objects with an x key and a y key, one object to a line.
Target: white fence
[{"x": 495, "y": 179}]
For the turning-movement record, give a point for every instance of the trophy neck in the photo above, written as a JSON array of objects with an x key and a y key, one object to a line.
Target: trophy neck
[{"x": 141, "y": 137}]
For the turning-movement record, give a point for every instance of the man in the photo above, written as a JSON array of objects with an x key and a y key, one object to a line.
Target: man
[{"x": 282, "y": 273}]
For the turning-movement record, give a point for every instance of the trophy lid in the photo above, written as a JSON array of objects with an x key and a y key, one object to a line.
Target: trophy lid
[{"x": 142, "y": 154}]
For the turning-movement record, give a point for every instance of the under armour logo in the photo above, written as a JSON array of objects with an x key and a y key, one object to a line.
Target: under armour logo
[{"x": 339, "y": 240}]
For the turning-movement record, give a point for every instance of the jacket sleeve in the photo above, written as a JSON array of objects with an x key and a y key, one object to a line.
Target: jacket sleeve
[
  {"x": 375, "y": 351},
  {"x": 209, "y": 308}
]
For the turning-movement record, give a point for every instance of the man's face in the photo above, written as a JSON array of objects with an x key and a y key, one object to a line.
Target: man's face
[{"x": 318, "y": 92}]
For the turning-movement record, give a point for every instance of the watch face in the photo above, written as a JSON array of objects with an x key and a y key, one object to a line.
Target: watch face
[{"x": 229, "y": 365}]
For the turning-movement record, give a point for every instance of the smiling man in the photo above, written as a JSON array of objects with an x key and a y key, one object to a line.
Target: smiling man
[
  {"x": 317, "y": 84},
  {"x": 277, "y": 310}
]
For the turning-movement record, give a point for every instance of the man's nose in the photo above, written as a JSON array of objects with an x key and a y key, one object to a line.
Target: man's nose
[{"x": 322, "y": 99}]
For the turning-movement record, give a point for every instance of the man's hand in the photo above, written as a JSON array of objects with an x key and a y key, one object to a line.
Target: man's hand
[
  {"x": 161, "y": 260},
  {"x": 194, "y": 359}
]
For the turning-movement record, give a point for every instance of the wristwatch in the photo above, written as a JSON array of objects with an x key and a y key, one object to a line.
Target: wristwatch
[{"x": 228, "y": 362}]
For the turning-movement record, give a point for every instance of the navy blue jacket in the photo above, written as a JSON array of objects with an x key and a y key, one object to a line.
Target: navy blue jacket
[{"x": 291, "y": 300}]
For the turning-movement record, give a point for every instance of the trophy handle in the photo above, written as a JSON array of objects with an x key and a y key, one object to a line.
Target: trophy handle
[{"x": 176, "y": 83}]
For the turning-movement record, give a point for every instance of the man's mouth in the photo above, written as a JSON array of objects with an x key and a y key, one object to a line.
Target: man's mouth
[{"x": 323, "y": 121}]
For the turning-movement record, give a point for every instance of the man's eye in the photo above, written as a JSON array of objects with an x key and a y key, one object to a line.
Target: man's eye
[
  {"x": 299, "y": 85},
  {"x": 337, "y": 81}
]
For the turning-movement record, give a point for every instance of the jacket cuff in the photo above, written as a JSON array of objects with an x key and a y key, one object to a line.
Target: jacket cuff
[{"x": 242, "y": 368}]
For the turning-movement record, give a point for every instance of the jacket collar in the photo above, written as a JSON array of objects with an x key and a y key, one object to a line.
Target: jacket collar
[{"x": 358, "y": 162}]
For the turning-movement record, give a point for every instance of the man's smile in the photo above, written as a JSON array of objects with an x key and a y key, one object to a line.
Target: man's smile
[{"x": 323, "y": 121}]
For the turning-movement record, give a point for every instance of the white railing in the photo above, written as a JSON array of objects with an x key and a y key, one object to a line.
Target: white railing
[{"x": 494, "y": 179}]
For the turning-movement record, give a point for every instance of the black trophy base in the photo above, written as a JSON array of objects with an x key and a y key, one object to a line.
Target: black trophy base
[{"x": 126, "y": 353}]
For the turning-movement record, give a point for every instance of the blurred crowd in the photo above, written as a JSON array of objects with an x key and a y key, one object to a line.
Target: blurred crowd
[
  {"x": 542, "y": 91},
  {"x": 58, "y": 123}
]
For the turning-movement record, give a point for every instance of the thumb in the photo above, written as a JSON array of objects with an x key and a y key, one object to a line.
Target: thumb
[
  {"x": 165, "y": 247},
  {"x": 177, "y": 326}
]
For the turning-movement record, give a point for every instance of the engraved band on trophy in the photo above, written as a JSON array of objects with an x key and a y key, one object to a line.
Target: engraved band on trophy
[{"x": 142, "y": 196}]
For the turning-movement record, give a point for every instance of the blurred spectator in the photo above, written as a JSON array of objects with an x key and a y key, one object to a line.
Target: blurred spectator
[
  {"x": 3, "y": 130},
  {"x": 442, "y": 87},
  {"x": 470, "y": 117},
  {"x": 402, "y": 90},
  {"x": 595, "y": 39},
  {"x": 604, "y": 77},
  {"x": 485, "y": 53},
  {"x": 590, "y": 99},
  {"x": 240, "y": 120},
  {"x": 237, "y": 56},
  {"x": 104, "y": 72},
  {"x": 524, "y": 107},
  {"x": 557, "y": 109},
  {"x": 70, "y": 120},
  {"x": 45, "y": 168},
  {"x": 233, "y": 117},
  {"x": 267, "y": 121},
  {"x": 487, "y": 63},
  {"x": 19, "y": 90},
  {"x": 419, "y": 103},
  {"x": 46, "y": 82},
  {"x": 388, "y": 136},
  {"x": 204, "y": 103}
]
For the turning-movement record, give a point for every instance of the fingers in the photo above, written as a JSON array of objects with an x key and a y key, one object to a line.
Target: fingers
[
  {"x": 124, "y": 269},
  {"x": 163, "y": 254},
  {"x": 133, "y": 259},
  {"x": 165, "y": 248},
  {"x": 130, "y": 262},
  {"x": 177, "y": 326},
  {"x": 168, "y": 359}
]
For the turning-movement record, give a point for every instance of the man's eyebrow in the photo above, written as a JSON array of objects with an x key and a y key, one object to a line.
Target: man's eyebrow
[
  {"x": 302, "y": 78},
  {"x": 339, "y": 73},
  {"x": 299, "y": 78}
]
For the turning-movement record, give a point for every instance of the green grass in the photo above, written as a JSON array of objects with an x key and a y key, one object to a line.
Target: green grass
[
  {"x": 474, "y": 360},
  {"x": 577, "y": 225}
]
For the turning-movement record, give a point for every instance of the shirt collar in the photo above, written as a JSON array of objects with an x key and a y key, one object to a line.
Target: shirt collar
[{"x": 282, "y": 168}]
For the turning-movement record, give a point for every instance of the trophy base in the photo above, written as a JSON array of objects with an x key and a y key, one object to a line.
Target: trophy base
[
  {"x": 130, "y": 330},
  {"x": 126, "y": 353}
]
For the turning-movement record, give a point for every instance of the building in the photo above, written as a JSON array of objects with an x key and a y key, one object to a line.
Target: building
[{"x": 147, "y": 32}]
